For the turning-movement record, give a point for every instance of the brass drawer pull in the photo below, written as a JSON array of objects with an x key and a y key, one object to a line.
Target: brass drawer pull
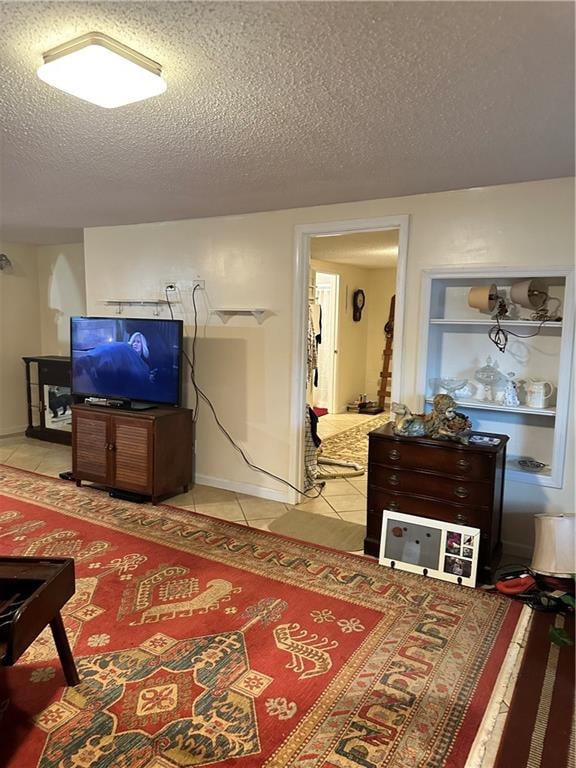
[
  {"x": 464, "y": 464},
  {"x": 462, "y": 519},
  {"x": 393, "y": 506},
  {"x": 393, "y": 480},
  {"x": 461, "y": 491},
  {"x": 394, "y": 454}
]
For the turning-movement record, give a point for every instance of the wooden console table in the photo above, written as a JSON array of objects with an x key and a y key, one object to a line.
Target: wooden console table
[
  {"x": 33, "y": 590},
  {"x": 50, "y": 371}
]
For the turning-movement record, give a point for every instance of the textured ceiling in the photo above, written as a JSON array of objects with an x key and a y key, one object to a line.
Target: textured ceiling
[
  {"x": 374, "y": 250},
  {"x": 279, "y": 105}
]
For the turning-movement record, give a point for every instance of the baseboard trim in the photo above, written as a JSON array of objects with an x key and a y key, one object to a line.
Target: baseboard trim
[
  {"x": 13, "y": 432},
  {"x": 247, "y": 488}
]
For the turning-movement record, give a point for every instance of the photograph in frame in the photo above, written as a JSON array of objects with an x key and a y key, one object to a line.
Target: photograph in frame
[{"x": 430, "y": 547}]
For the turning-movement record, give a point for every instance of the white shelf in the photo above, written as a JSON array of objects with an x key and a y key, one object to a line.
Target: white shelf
[
  {"x": 488, "y": 323},
  {"x": 488, "y": 406},
  {"x": 456, "y": 344},
  {"x": 226, "y": 313}
]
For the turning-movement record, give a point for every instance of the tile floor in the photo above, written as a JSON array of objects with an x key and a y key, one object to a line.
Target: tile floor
[{"x": 342, "y": 499}]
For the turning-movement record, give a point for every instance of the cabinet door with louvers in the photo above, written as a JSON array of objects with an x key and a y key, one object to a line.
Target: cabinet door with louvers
[
  {"x": 91, "y": 455},
  {"x": 133, "y": 442}
]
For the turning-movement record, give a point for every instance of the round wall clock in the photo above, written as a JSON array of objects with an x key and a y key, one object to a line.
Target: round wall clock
[{"x": 358, "y": 301}]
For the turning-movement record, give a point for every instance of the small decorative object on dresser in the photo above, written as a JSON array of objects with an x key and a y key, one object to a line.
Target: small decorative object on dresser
[
  {"x": 443, "y": 423},
  {"x": 439, "y": 480}
]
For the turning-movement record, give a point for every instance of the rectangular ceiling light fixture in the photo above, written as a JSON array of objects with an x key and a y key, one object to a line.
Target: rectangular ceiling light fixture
[{"x": 99, "y": 69}]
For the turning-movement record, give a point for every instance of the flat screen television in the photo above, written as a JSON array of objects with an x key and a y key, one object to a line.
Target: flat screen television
[{"x": 133, "y": 360}]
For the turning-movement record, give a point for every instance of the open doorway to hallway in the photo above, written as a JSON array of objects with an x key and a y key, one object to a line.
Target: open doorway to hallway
[{"x": 354, "y": 280}]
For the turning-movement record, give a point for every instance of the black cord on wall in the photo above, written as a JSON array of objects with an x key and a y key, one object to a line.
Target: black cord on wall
[{"x": 200, "y": 395}]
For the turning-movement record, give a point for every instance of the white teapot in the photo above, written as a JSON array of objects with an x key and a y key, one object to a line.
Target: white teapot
[{"x": 537, "y": 393}]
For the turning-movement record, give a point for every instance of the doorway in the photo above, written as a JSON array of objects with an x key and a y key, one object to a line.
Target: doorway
[{"x": 306, "y": 236}]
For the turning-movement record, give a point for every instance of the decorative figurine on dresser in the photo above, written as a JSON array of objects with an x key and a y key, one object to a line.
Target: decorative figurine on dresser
[{"x": 433, "y": 465}]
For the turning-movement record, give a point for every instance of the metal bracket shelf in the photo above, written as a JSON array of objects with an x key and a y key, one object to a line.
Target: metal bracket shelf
[{"x": 119, "y": 303}]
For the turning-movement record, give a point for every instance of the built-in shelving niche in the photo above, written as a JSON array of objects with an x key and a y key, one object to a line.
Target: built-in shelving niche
[{"x": 455, "y": 343}]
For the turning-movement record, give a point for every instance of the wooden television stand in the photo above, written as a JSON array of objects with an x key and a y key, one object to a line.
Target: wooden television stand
[{"x": 150, "y": 453}]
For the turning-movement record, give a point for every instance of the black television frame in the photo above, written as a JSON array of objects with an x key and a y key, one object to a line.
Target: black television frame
[{"x": 122, "y": 400}]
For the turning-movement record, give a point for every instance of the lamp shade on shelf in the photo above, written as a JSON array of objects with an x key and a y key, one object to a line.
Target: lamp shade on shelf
[
  {"x": 99, "y": 69},
  {"x": 554, "y": 550},
  {"x": 483, "y": 298},
  {"x": 530, "y": 294}
]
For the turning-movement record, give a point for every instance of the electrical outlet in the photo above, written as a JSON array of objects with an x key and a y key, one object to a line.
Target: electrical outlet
[
  {"x": 199, "y": 284},
  {"x": 170, "y": 287}
]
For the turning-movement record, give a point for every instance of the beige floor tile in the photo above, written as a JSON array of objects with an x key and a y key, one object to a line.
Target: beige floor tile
[
  {"x": 258, "y": 509},
  {"x": 360, "y": 483},
  {"x": 23, "y": 462},
  {"x": 5, "y": 452},
  {"x": 348, "y": 503},
  {"x": 185, "y": 500},
  {"x": 223, "y": 510},
  {"x": 318, "y": 506},
  {"x": 206, "y": 494},
  {"x": 340, "y": 487},
  {"x": 53, "y": 468},
  {"x": 262, "y": 524},
  {"x": 354, "y": 516}
]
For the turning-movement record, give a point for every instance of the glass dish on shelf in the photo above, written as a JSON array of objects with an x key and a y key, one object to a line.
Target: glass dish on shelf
[{"x": 529, "y": 464}]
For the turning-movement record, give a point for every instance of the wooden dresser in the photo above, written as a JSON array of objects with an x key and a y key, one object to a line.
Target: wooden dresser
[
  {"x": 143, "y": 452},
  {"x": 441, "y": 480}
]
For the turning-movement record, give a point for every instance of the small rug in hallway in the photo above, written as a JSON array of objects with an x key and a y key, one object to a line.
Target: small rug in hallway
[
  {"x": 351, "y": 445},
  {"x": 204, "y": 643},
  {"x": 539, "y": 729},
  {"x": 320, "y": 529}
]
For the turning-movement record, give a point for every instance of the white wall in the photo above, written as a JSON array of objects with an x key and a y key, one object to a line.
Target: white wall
[
  {"x": 19, "y": 332},
  {"x": 62, "y": 293},
  {"x": 249, "y": 260},
  {"x": 38, "y": 294}
]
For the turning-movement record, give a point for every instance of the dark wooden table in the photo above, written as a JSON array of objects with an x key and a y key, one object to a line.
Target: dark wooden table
[{"x": 33, "y": 590}]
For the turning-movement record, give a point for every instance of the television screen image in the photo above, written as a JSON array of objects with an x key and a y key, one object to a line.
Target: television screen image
[{"x": 132, "y": 359}]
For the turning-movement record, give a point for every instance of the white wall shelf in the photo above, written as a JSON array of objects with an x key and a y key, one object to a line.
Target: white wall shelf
[
  {"x": 548, "y": 326},
  {"x": 120, "y": 303},
  {"x": 484, "y": 406},
  {"x": 455, "y": 344},
  {"x": 226, "y": 313}
]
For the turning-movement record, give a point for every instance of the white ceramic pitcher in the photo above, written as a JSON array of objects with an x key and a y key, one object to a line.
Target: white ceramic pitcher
[{"x": 537, "y": 393}]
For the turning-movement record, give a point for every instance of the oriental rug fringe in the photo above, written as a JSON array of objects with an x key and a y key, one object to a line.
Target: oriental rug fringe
[{"x": 205, "y": 643}]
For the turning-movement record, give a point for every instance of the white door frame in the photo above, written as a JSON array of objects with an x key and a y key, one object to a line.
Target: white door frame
[{"x": 303, "y": 235}]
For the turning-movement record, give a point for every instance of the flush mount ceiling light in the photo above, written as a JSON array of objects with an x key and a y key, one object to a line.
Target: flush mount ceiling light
[{"x": 99, "y": 69}]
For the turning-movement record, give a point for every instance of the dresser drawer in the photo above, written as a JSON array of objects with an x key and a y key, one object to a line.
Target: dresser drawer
[
  {"x": 428, "y": 484},
  {"x": 443, "y": 459},
  {"x": 435, "y": 510}
]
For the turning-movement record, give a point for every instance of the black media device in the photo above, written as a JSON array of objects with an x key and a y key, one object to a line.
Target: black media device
[{"x": 130, "y": 362}]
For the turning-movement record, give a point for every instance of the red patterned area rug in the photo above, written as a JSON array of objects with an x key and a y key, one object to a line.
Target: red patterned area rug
[
  {"x": 203, "y": 643},
  {"x": 539, "y": 729}
]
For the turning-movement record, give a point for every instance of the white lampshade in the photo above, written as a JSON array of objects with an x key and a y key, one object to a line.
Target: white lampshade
[
  {"x": 530, "y": 294},
  {"x": 101, "y": 70},
  {"x": 554, "y": 546}
]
